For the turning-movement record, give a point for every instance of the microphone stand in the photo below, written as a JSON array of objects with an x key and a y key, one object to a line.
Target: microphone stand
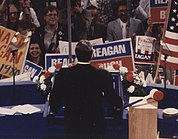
[{"x": 13, "y": 68}]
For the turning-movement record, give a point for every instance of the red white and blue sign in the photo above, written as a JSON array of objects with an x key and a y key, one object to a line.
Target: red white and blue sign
[
  {"x": 53, "y": 59},
  {"x": 33, "y": 68},
  {"x": 158, "y": 10},
  {"x": 117, "y": 52}
]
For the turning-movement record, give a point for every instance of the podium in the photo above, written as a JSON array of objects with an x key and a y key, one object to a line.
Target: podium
[{"x": 143, "y": 119}]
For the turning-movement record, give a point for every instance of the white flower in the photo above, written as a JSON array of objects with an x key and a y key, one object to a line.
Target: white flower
[
  {"x": 42, "y": 78},
  {"x": 123, "y": 70},
  {"x": 131, "y": 89},
  {"x": 43, "y": 87},
  {"x": 144, "y": 83},
  {"x": 35, "y": 79},
  {"x": 52, "y": 69}
]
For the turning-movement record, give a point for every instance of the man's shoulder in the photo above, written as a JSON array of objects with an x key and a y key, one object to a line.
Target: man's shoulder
[
  {"x": 62, "y": 73},
  {"x": 101, "y": 71},
  {"x": 113, "y": 22},
  {"x": 65, "y": 69}
]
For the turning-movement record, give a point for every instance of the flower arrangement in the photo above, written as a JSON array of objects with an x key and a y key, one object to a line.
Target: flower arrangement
[
  {"x": 133, "y": 83},
  {"x": 46, "y": 79}
]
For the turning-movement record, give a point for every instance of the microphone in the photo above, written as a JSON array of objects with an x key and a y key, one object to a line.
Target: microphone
[{"x": 154, "y": 94}]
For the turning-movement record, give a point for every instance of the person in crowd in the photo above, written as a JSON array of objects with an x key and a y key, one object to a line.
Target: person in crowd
[
  {"x": 27, "y": 12},
  {"x": 137, "y": 11},
  {"x": 3, "y": 17},
  {"x": 145, "y": 4},
  {"x": 97, "y": 29},
  {"x": 153, "y": 30},
  {"x": 50, "y": 34},
  {"x": 81, "y": 89},
  {"x": 34, "y": 52},
  {"x": 9, "y": 15},
  {"x": 39, "y": 6},
  {"x": 80, "y": 20},
  {"x": 13, "y": 16},
  {"x": 124, "y": 26},
  {"x": 105, "y": 8},
  {"x": 24, "y": 27}
]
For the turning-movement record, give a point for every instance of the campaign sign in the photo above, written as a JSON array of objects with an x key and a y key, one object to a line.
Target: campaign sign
[
  {"x": 158, "y": 10},
  {"x": 64, "y": 46},
  {"x": 8, "y": 48},
  {"x": 33, "y": 68},
  {"x": 144, "y": 49},
  {"x": 158, "y": 3},
  {"x": 52, "y": 59},
  {"x": 117, "y": 52}
]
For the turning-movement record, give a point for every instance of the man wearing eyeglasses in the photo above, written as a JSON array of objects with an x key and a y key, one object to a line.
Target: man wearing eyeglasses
[{"x": 51, "y": 32}]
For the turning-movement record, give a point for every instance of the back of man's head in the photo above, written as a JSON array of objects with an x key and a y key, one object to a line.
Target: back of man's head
[{"x": 84, "y": 51}]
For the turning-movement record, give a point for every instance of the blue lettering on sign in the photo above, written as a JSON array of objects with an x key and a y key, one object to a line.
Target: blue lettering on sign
[
  {"x": 112, "y": 50},
  {"x": 33, "y": 68},
  {"x": 52, "y": 59},
  {"x": 143, "y": 57}
]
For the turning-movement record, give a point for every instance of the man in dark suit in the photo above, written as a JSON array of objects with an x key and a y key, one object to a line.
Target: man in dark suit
[{"x": 81, "y": 90}]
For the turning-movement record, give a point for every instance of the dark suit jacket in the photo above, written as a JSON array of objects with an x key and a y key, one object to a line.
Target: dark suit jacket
[
  {"x": 97, "y": 30},
  {"x": 80, "y": 89}
]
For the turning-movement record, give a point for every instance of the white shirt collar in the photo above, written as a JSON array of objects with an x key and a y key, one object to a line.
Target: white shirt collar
[
  {"x": 83, "y": 63},
  {"x": 122, "y": 23}
]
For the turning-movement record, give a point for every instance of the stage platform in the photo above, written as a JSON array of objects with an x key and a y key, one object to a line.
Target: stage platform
[{"x": 36, "y": 126}]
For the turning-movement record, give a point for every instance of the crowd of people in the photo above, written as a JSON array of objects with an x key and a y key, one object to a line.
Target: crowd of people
[{"x": 90, "y": 19}]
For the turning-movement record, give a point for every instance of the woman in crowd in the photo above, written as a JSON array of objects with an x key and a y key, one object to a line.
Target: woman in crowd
[{"x": 34, "y": 52}]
